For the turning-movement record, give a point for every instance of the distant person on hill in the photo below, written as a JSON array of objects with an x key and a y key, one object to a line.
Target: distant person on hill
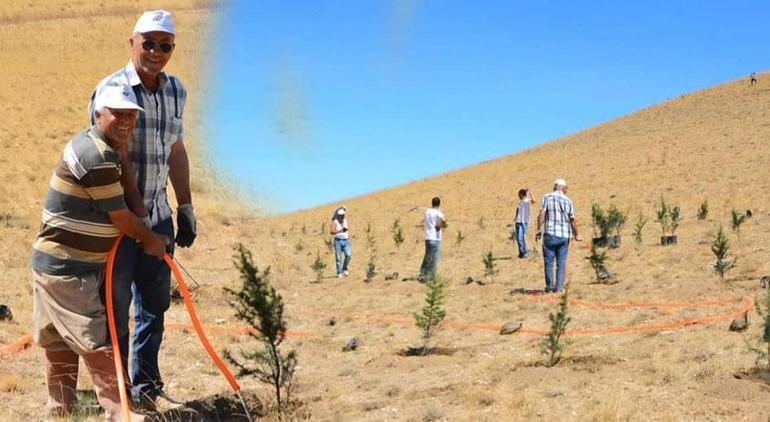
[
  {"x": 523, "y": 219},
  {"x": 753, "y": 78},
  {"x": 433, "y": 222},
  {"x": 557, "y": 213},
  {"x": 339, "y": 229},
  {"x": 83, "y": 214},
  {"x": 156, "y": 153}
]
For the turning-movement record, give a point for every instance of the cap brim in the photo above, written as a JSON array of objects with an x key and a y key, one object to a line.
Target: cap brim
[{"x": 124, "y": 105}]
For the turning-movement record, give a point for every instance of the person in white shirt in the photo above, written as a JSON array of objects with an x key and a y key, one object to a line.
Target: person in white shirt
[
  {"x": 432, "y": 223},
  {"x": 339, "y": 229},
  {"x": 523, "y": 218}
]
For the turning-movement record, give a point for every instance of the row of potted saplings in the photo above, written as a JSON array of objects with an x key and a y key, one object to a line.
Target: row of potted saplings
[{"x": 607, "y": 225}]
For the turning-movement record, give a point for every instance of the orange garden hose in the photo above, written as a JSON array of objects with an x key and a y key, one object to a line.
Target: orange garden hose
[
  {"x": 114, "y": 332},
  {"x": 193, "y": 317}
]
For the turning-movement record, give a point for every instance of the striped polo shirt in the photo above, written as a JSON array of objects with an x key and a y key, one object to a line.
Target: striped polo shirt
[
  {"x": 76, "y": 233},
  {"x": 559, "y": 211},
  {"x": 157, "y": 128}
]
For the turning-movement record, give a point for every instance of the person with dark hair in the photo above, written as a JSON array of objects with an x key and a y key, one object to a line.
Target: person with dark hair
[
  {"x": 523, "y": 219},
  {"x": 432, "y": 223},
  {"x": 753, "y": 79}
]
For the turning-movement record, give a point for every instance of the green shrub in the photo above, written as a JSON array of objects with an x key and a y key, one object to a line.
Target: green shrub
[
  {"x": 552, "y": 345},
  {"x": 318, "y": 266},
  {"x": 720, "y": 247},
  {"x": 638, "y": 227},
  {"x": 703, "y": 210},
  {"x": 259, "y": 305},
  {"x": 430, "y": 319},
  {"x": 398, "y": 232}
]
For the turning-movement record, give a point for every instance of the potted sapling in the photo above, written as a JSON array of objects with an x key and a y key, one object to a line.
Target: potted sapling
[
  {"x": 616, "y": 221},
  {"x": 668, "y": 217},
  {"x": 601, "y": 226}
]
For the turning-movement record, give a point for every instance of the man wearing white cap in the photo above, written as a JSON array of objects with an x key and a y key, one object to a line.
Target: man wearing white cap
[
  {"x": 83, "y": 214},
  {"x": 156, "y": 153},
  {"x": 339, "y": 229},
  {"x": 557, "y": 213}
]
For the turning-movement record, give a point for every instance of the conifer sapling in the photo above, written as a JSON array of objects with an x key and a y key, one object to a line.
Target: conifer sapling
[{"x": 259, "y": 305}]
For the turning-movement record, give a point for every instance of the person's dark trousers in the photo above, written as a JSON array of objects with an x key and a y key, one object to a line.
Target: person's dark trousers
[
  {"x": 555, "y": 249},
  {"x": 430, "y": 260},
  {"x": 146, "y": 280}
]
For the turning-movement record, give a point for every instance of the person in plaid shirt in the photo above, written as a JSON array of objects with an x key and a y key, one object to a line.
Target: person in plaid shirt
[
  {"x": 156, "y": 154},
  {"x": 557, "y": 213}
]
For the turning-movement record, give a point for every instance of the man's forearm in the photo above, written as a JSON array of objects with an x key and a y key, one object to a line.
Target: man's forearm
[
  {"x": 130, "y": 188},
  {"x": 127, "y": 223},
  {"x": 179, "y": 173}
]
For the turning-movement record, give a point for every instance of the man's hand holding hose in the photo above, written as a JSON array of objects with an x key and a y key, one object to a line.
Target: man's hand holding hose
[{"x": 152, "y": 243}]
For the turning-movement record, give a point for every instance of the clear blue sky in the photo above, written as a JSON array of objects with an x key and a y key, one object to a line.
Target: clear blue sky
[{"x": 316, "y": 101}]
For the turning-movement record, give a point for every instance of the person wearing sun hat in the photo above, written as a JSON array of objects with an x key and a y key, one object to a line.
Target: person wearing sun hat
[
  {"x": 339, "y": 229},
  {"x": 557, "y": 215},
  {"x": 156, "y": 154},
  {"x": 83, "y": 214}
]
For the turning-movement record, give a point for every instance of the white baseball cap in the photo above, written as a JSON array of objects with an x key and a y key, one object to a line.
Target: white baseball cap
[
  {"x": 341, "y": 211},
  {"x": 560, "y": 182},
  {"x": 116, "y": 96},
  {"x": 155, "y": 20}
]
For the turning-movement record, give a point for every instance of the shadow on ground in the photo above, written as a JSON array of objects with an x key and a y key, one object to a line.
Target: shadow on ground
[{"x": 219, "y": 408}]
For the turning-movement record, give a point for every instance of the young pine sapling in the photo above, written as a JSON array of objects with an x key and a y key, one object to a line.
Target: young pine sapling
[
  {"x": 259, "y": 305},
  {"x": 703, "y": 210},
  {"x": 489, "y": 265},
  {"x": 638, "y": 227},
  {"x": 429, "y": 320},
  {"x": 763, "y": 350},
  {"x": 552, "y": 345},
  {"x": 398, "y": 232},
  {"x": 720, "y": 248},
  {"x": 318, "y": 266},
  {"x": 738, "y": 218}
]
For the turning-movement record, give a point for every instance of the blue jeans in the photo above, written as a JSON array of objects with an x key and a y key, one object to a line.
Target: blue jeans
[
  {"x": 521, "y": 239},
  {"x": 555, "y": 247},
  {"x": 342, "y": 248},
  {"x": 147, "y": 281},
  {"x": 430, "y": 260}
]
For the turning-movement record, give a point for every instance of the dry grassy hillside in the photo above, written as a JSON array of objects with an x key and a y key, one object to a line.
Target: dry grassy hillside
[{"x": 710, "y": 145}]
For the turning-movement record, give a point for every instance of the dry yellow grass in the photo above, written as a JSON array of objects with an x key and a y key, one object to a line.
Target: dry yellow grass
[{"x": 707, "y": 145}]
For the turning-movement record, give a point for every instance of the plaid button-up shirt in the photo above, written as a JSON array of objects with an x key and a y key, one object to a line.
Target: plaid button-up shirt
[
  {"x": 156, "y": 131},
  {"x": 559, "y": 211}
]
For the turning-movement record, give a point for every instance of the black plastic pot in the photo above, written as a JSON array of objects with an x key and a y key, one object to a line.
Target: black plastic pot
[
  {"x": 600, "y": 242},
  {"x": 668, "y": 240}
]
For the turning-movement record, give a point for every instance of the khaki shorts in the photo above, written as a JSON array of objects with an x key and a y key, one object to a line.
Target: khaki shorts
[{"x": 68, "y": 312}]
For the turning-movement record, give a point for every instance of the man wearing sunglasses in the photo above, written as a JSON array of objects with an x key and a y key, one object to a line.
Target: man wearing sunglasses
[{"x": 155, "y": 154}]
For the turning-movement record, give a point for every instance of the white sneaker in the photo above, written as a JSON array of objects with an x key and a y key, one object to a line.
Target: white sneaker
[
  {"x": 340, "y": 275},
  {"x": 345, "y": 272}
]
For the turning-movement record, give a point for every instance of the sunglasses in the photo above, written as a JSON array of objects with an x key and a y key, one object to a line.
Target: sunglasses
[{"x": 163, "y": 47}]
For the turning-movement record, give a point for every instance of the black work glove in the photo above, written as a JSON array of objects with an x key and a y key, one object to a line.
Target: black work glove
[{"x": 185, "y": 221}]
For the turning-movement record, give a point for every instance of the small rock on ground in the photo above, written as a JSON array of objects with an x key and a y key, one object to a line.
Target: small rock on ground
[
  {"x": 741, "y": 323},
  {"x": 510, "y": 327},
  {"x": 5, "y": 313},
  {"x": 352, "y": 344}
]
